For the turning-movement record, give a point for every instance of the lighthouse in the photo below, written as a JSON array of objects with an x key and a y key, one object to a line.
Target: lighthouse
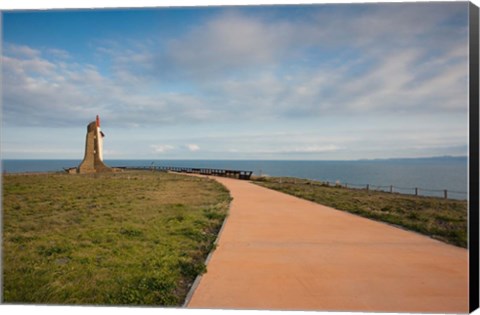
[{"x": 93, "y": 159}]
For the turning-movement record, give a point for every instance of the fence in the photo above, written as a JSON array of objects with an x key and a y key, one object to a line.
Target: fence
[
  {"x": 240, "y": 174},
  {"x": 417, "y": 191}
]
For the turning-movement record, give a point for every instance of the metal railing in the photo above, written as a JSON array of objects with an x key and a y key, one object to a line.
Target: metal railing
[
  {"x": 415, "y": 191},
  {"x": 240, "y": 174}
]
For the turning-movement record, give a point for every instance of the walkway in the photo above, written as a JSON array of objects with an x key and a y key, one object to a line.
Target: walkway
[{"x": 279, "y": 252}]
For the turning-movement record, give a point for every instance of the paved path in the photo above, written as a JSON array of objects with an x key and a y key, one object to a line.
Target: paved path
[{"x": 280, "y": 252}]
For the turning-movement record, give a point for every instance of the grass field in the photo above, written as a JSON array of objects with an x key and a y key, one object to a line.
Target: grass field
[
  {"x": 136, "y": 238},
  {"x": 439, "y": 218}
]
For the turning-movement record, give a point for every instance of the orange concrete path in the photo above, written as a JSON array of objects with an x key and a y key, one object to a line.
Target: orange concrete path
[{"x": 280, "y": 252}]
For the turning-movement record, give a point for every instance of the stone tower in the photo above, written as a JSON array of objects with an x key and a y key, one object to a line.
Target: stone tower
[{"x": 93, "y": 159}]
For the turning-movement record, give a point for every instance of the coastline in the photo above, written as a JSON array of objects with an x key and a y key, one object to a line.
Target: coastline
[{"x": 436, "y": 174}]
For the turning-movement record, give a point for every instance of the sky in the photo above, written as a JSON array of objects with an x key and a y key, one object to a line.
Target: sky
[{"x": 286, "y": 82}]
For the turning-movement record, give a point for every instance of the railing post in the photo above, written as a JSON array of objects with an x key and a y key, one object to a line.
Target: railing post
[
  {"x": 416, "y": 191},
  {"x": 445, "y": 194},
  {"x": 391, "y": 188},
  {"x": 368, "y": 187}
]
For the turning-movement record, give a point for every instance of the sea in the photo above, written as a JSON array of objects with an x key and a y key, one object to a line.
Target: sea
[{"x": 424, "y": 176}]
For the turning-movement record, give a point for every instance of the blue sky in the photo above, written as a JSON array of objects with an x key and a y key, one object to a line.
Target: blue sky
[{"x": 309, "y": 82}]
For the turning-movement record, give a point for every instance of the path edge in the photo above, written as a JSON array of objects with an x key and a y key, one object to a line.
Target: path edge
[{"x": 195, "y": 284}]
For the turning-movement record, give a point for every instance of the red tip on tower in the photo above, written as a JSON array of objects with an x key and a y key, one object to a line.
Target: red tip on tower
[{"x": 98, "y": 121}]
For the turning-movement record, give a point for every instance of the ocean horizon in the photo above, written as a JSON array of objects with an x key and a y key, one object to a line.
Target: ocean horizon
[{"x": 431, "y": 176}]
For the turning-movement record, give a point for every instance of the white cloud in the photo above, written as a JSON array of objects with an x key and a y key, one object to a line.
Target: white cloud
[
  {"x": 193, "y": 147},
  {"x": 59, "y": 53},
  {"x": 22, "y": 50},
  {"x": 40, "y": 92},
  {"x": 230, "y": 42},
  {"x": 317, "y": 149},
  {"x": 239, "y": 66},
  {"x": 162, "y": 148},
  {"x": 383, "y": 62},
  {"x": 292, "y": 148}
]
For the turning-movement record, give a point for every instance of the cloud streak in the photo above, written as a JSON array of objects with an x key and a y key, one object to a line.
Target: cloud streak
[
  {"x": 193, "y": 147},
  {"x": 235, "y": 65},
  {"x": 258, "y": 68},
  {"x": 162, "y": 148}
]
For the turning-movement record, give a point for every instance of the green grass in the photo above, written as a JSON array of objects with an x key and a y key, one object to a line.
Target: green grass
[
  {"x": 129, "y": 238},
  {"x": 443, "y": 219}
]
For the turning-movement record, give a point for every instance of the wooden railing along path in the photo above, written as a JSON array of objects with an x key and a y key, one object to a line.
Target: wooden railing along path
[{"x": 240, "y": 174}]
